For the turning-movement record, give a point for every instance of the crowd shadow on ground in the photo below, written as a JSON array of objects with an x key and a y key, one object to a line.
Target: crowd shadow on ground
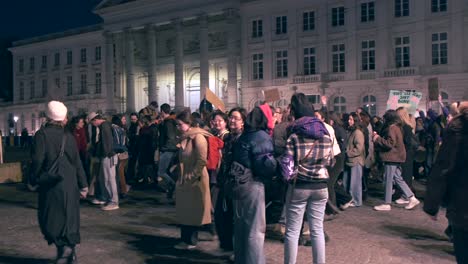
[
  {"x": 161, "y": 251},
  {"x": 5, "y": 259},
  {"x": 424, "y": 241}
]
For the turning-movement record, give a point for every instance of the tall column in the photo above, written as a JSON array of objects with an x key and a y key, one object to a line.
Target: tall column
[
  {"x": 179, "y": 65},
  {"x": 204, "y": 65},
  {"x": 129, "y": 71},
  {"x": 152, "y": 79},
  {"x": 383, "y": 43},
  {"x": 232, "y": 93},
  {"x": 351, "y": 45}
]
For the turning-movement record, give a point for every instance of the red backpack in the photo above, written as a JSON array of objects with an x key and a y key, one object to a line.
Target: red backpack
[{"x": 215, "y": 145}]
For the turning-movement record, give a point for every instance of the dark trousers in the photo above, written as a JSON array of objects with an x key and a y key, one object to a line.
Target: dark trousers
[
  {"x": 333, "y": 173},
  {"x": 460, "y": 243},
  {"x": 189, "y": 234},
  {"x": 224, "y": 222}
]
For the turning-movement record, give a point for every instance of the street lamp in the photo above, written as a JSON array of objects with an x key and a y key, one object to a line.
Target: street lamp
[{"x": 15, "y": 118}]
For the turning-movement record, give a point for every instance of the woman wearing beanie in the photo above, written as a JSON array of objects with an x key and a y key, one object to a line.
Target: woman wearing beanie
[
  {"x": 252, "y": 163},
  {"x": 59, "y": 195},
  {"x": 311, "y": 146}
]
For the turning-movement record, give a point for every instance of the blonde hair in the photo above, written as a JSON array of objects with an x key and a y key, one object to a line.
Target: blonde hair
[{"x": 404, "y": 116}]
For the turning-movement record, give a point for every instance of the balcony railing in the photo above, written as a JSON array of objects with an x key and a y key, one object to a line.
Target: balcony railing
[
  {"x": 334, "y": 77},
  {"x": 307, "y": 78},
  {"x": 367, "y": 75},
  {"x": 279, "y": 82},
  {"x": 400, "y": 72}
]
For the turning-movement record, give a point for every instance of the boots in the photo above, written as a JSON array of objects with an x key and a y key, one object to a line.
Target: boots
[{"x": 66, "y": 255}]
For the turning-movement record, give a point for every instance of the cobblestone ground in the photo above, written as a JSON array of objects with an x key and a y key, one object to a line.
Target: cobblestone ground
[{"x": 143, "y": 230}]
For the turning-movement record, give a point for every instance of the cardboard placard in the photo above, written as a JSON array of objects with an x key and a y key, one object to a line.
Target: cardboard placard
[
  {"x": 433, "y": 87},
  {"x": 407, "y": 99},
  {"x": 271, "y": 95},
  {"x": 212, "y": 98}
]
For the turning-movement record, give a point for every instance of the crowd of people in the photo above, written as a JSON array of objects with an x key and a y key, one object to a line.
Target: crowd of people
[{"x": 225, "y": 169}]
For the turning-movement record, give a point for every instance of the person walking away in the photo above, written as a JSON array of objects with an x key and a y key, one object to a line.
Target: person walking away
[
  {"x": 120, "y": 147},
  {"x": 59, "y": 200},
  {"x": 392, "y": 153}
]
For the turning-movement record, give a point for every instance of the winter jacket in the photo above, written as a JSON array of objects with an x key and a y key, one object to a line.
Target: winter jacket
[
  {"x": 104, "y": 147},
  {"x": 390, "y": 145},
  {"x": 254, "y": 150},
  {"x": 448, "y": 181},
  {"x": 355, "y": 149},
  {"x": 168, "y": 133}
]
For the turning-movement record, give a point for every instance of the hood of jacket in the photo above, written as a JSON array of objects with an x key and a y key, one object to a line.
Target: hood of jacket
[
  {"x": 193, "y": 131},
  {"x": 309, "y": 127}
]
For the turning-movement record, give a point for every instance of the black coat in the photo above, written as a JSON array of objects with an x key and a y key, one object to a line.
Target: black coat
[
  {"x": 59, "y": 205},
  {"x": 448, "y": 181}
]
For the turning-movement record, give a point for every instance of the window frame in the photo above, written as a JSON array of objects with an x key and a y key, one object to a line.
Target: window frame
[
  {"x": 399, "y": 7},
  {"x": 439, "y": 48},
  {"x": 338, "y": 16},
  {"x": 281, "y": 63},
  {"x": 257, "y": 28},
  {"x": 257, "y": 66},
  {"x": 309, "y": 61},
  {"x": 367, "y": 53},
  {"x": 83, "y": 83},
  {"x": 308, "y": 21},
  {"x": 69, "y": 85},
  {"x": 281, "y": 27},
  {"x": 98, "y": 83},
  {"x": 44, "y": 87},
  {"x": 439, "y": 6},
  {"x": 339, "y": 58},
  {"x": 405, "y": 52},
  {"x": 370, "y": 105},
  {"x": 341, "y": 105},
  {"x": 83, "y": 55},
  {"x": 97, "y": 53},
  {"x": 69, "y": 57},
  {"x": 368, "y": 12}
]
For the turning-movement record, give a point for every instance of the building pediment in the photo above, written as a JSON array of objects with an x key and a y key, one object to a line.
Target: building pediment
[{"x": 111, "y": 3}]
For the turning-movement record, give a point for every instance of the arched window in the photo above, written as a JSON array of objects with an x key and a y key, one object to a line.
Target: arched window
[
  {"x": 445, "y": 98},
  {"x": 33, "y": 123},
  {"x": 339, "y": 104},
  {"x": 369, "y": 104}
]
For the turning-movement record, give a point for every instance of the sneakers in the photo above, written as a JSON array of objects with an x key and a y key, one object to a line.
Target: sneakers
[
  {"x": 402, "y": 200},
  {"x": 184, "y": 246},
  {"x": 383, "y": 207},
  {"x": 110, "y": 207},
  {"x": 413, "y": 201},
  {"x": 346, "y": 205},
  {"x": 97, "y": 202}
]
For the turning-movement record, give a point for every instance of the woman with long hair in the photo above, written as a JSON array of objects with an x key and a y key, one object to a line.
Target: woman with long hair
[
  {"x": 355, "y": 157},
  {"x": 392, "y": 152},
  {"x": 193, "y": 201},
  {"x": 408, "y": 128}
]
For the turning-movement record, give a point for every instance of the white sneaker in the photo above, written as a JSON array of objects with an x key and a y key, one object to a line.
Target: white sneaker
[
  {"x": 184, "y": 246},
  {"x": 110, "y": 207},
  {"x": 413, "y": 201},
  {"x": 97, "y": 202},
  {"x": 346, "y": 205},
  {"x": 383, "y": 207},
  {"x": 402, "y": 200}
]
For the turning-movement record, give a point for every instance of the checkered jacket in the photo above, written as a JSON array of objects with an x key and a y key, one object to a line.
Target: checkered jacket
[{"x": 314, "y": 167}]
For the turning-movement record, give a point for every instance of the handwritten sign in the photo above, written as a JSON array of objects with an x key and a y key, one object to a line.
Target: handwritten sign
[
  {"x": 409, "y": 100},
  {"x": 271, "y": 95}
]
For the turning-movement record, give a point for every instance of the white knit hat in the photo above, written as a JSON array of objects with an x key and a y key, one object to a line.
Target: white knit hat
[{"x": 56, "y": 111}]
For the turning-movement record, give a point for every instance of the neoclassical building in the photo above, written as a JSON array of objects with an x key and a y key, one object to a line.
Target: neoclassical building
[{"x": 353, "y": 51}]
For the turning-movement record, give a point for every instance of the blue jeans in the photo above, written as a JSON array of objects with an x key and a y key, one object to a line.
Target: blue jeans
[
  {"x": 313, "y": 202},
  {"x": 392, "y": 175},
  {"x": 352, "y": 182},
  {"x": 249, "y": 223},
  {"x": 165, "y": 159},
  {"x": 108, "y": 181}
]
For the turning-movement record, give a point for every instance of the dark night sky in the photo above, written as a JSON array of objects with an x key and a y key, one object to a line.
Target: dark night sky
[{"x": 29, "y": 18}]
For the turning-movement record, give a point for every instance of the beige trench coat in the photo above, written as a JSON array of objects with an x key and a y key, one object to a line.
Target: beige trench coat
[{"x": 193, "y": 200}]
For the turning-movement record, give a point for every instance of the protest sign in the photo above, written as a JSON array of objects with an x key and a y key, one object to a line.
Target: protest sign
[
  {"x": 212, "y": 98},
  {"x": 271, "y": 95},
  {"x": 408, "y": 99}
]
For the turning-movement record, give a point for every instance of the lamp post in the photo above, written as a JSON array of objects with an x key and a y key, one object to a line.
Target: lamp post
[{"x": 15, "y": 118}]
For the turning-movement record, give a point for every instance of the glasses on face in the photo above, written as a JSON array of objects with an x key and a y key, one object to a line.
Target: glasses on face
[{"x": 235, "y": 118}]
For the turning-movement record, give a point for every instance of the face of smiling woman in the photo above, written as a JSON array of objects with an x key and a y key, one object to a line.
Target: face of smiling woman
[{"x": 183, "y": 127}]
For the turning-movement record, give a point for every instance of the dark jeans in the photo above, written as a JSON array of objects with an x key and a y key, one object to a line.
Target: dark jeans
[
  {"x": 224, "y": 221},
  {"x": 460, "y": 243},
  {"x": 189, "y": 234},
  {"x": 333, "y": 173}
]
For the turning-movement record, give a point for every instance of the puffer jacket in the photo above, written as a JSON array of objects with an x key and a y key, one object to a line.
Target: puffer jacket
[
  {"x": 254, "y": 150},
  {"x": 355, "y": 149}
]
